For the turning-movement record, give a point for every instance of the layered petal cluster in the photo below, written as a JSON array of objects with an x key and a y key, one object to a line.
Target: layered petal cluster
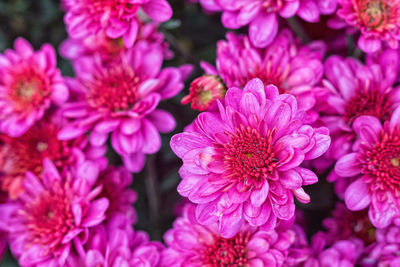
[
  {"x": 204, "y": 92},
  {"x": 117, "y": 244},
  {"x": 377, "y": 20},
  {"x": 374, "y": 164},
  {"x": 116, "y": 183},
  {"x": 116, "y": 19},
  {"x": 285, "y": 63},
  {"x": 262, "y": 15},
  {"x": 191, "y": 244},
  {"x": 343, "y": 253},
  {"x": 121, "y": 99},
  {"x": 27, "y": 152},
  {"x": 51, "y": 219},
  {"x": 242, "y": 163},
  {"x": 345, "y": 224},
  {"x": 29, "y": 84},
  {"x": 384, "y": 252},
  {"x": 351, "y": 89},
  {"x": 109, "y": 49}
]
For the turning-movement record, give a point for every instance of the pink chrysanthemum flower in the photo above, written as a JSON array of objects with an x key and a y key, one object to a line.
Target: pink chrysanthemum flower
[
  {"x": 343, "y": 253},
  {"x": 117, "y": 244},
  {"x": 191, "y": 244},
  {"x": 116, "y": 184},
  {"x": 345, "y": 224},
  {"x": 121, "y": 98},
  {"x": 385, "y": 251},
  {"x": 242, "y": 163},
  {"x": 108, "y": 48},
  {"x": 204, "y": 92},
  {"x": 374, "y": 162},
  {"x": 378, "y": 21},
  {"x": 29, "y": 83},
  {"x": 262, "y": 15},
  {"x": 116, "y": 18},
  {"x": 27, "y": 152},
  {"x": 293, "y": 68},
  {"x": 53, "y": 215},
  {"x": 351, "y": 89}
]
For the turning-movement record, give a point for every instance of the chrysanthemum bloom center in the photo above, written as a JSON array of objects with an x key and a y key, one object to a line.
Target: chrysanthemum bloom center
[
  {"x": 105, "y": 45},
  {"x": 29, "y": 87},
  {"x": 269, "y": 75},
  {"x": 250, "y": 157},
  {"x": 26, "y": 153},
  {"x": 115, "y": 88},
  {"x": 227, "y": 252},
  {"x": 381, "y": 163},
  {"x": 122, "y": 9},
  {"x": 373, "y": 13},
  {"x": 49, "y": 217},
  {"x": 368, "y": 102}
]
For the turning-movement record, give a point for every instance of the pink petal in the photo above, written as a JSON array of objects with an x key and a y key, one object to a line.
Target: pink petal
[
  {"x": 357, "y": 196},
  {"x": 258, "y": 196},
  {"x": 369, "y": 45},
  {"x": 134, "y": 162},
  {"x": 348, "y": 165},
  {"x": 368, "y": 129},
  {"x": 158, "y": 10},
  {"x": 308, "y": 11},
  {"x": 263, "y": 29},
  {"x": 163, "y": 120}
]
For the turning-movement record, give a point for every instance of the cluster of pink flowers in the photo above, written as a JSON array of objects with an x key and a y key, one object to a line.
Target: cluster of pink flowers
[
  {"x": 276, "y": 114},
  {"x": 62, "y": 203}
]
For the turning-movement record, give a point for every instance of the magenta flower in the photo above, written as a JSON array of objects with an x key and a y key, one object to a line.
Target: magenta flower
[
  {"x": 117, "y": 18},
  {"x": 385, "y": 251},
  {"x": 346, "y": 224},
  {"x": 291, "y": 67},
  {"x": 29, "y": 84},
  {"x": 116, "y": 183},
  {"x": 117, "y": 244},
  {"x": 191, "y": 244},
  {"x": 242, "y": 162},
  {"x": 378, "y": 21},
  {"x": 27, "y": 152},
  {"x": 374, "y": 162},
  {"x": 343, "y": 253},
  {"x": 109, "y": 49},
  {"x": 351, "y": 89},
  {"x": 204, "y": 92},
  {"x": 121, "y": 98},
  {"x": 53, "y": 215},
  {"x": 262, "y": 15}
]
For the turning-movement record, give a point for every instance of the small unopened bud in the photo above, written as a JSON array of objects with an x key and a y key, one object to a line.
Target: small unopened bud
[{"x": 204, "y": 91}]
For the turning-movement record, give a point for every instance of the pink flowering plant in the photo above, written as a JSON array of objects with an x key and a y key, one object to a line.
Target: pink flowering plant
[
  {"x": 200, "y": 133},
  {"x": 242, "y": 163}
]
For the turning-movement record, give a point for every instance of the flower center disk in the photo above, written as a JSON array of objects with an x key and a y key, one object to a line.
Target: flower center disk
[
  {"x": 227, "y": 252},
  {"x": 29, "y": 88},
  {"x": 370, "y": 103},
  {"x": 115, "y": 89},
  {"x": 379, "y": 15},
  {"x": 49, "y": 218},
  {"x": 381, "y": 163},
  {"x": 249, "y": 157}
]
